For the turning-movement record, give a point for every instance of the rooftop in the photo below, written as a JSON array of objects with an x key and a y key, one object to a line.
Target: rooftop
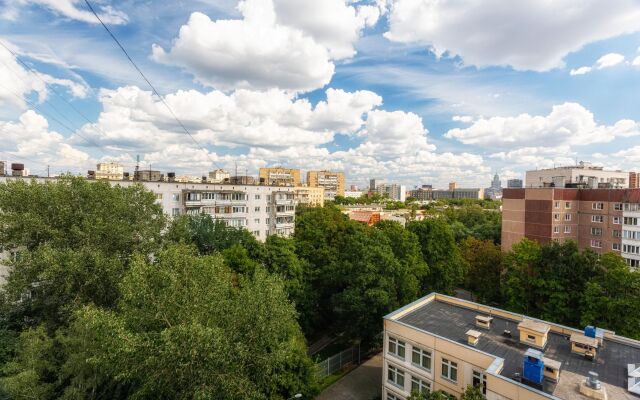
[{"x": 442, "y": 317}]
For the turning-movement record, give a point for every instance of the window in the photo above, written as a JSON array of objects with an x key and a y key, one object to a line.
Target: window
[
  {"x": 556, "y": 204},
  {"x": 630, "y": 249},
  {"x": 616, "y": 233},
  {"x": 617, "y": 206},
  {"x": 567, "y": 205},
  {"x": 632, "y": 207},
  {"x": 395, "y": 376},
  {"x": 596, "y": 231},
  {"x": 567, "y": 229},
  {"x": 531, "y": 338},
  {"x": 420, "y": 386},
  {"x": 556, "y": 229},
  {"x": 630, "y": 221},
  {"x": 257, "y": 197},
  {"x": 175, "y": 211},
  {"x": 449, "y": 370},
  {"x": 597, "y": 206},
  {"x": 158, "y": 196},
  {"x": 615, "y": 246},
  {"x": 256, "y": 209},
  {"x": 175, "y": 197},
  {"x": 596, "y": 244},
  {"x": 633, "y": 263},
  {"x": 396, "y": 347},
  {"x": 633, "y": 235},
  {"x": 597, "y": 218},
  {"x": 421, "y": 358},
  {"x": 392, "y": 397},
  {"x": 556, "y": 217},
  {"x": 256, "y": 233},
  {"x": 567, "y": 217},
  {"x": 256, "y": 220},
  {"x": 616, "y": 220},
  {"x": 479, "y": 380}
]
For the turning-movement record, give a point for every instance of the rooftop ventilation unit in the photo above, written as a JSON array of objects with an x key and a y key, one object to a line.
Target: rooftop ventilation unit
[
  {"x": 592, "y": 380},
  {"x": 533, "y": 366}
]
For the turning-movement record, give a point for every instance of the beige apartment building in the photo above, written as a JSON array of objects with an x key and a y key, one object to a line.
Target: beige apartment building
[
  {"x": 111, "y": 170},
  {"x": 280, "y": 176},
  {"x": 310, "y": 196},
  {"x": 602, "y": 220},
  {"x": 444, "y": 343},
  {"x": 332, "y": 182}
]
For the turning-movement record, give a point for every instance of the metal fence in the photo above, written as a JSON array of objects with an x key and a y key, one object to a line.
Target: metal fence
[{"x": 338, "y": 361}]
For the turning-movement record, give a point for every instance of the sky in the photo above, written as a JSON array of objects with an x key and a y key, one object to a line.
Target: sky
[{"x": 409, "y": 91}]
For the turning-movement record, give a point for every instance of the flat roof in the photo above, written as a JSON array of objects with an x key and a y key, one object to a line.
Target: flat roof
[
  {"x": 452, "y": 321},
  {"x": 535, "y": 326}
]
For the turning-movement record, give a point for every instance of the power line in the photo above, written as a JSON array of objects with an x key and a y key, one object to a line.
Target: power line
[{"x": 184, "y": 128}]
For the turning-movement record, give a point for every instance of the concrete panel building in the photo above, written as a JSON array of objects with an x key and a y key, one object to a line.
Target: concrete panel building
[
  {"x": 602, "y": 220},
  {"x": 332, "y": 182},
  {"x": 444, "y": 343},
  {"x": 584, "y": 174},
  {"x": 310, "y": 196},
  {"x": 111, "y": 170},
  {"x": 634, "y": 180},
  {"x": 279, "y": 176}
]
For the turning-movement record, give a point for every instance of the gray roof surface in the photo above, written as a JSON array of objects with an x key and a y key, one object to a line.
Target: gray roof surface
[{"x": 452, "y": 322}]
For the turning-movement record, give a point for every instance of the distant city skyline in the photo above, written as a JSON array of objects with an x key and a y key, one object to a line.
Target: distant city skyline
[{"x": 363, "y": 87}]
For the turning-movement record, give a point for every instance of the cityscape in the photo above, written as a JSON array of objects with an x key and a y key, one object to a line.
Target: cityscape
[{"x": 331, "y": 200}]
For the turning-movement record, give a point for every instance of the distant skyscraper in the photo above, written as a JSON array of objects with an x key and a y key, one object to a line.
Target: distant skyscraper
[
  {"x": 514, "y": 183},
  {"x": 495, "y": 191},
  {"x": 495, "y": 183}
]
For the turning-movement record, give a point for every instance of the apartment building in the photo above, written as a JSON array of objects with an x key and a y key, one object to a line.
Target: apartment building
[
  {"x": 458, "y": 193},
  {"x": 444, "y": 343},
  {"x": 262, "y": 210},
  {"x": 218, "y": 176},
  {"x": 634, "y": 180},
  {"x": 280, "y": 176},
  {"x": 332, "y": 182},
  {"x": 310, "y": 196},
  {"x": 583, "y": 174},
  {"x": 602, "y": 220},
  {"x": 110, "y": 170}
]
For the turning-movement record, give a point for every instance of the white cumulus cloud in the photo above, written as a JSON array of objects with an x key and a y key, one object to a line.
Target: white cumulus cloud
[
  {"x": 75, "y": 9},
  {"x": 568, "y": 123},
  {"x": 526, "y": 35}
]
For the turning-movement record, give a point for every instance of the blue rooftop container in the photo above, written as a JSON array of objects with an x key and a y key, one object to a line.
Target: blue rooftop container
[
  {"x": 590, "y": 331},
  {"x": 533, "y": 366}
]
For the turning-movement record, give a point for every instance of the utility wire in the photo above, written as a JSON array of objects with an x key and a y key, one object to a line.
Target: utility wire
[{"x": 184, "y": 128}]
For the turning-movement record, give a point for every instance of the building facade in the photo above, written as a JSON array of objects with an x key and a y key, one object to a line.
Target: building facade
[
  {"x": 445, "y": 343},
  {"x": 310, "y": 196},
  {"x": 218, "y": 176},
  {"x": 602, "y": 220},
  {"x": 634, "y": 180},
  {"x": 494, "y": 192},
  {"x": 584, "y": 174},
  {"x": 111, "y": 170},
  {"x": 280, "y": 176},
  {"x": 262, "y": 210},
  {"x": 514, "y": 183},
  {"x": 332, "y": 182}
]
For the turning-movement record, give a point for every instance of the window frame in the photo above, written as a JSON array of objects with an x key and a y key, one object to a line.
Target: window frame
[
  {"x": 422, "y": 354},
  {"x": 451, "y": 368}
]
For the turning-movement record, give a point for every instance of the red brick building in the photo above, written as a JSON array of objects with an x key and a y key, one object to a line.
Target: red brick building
[{"x": 602, "y": 220}]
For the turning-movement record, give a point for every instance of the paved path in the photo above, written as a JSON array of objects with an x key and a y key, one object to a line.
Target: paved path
[{"x": 363, "y": 383}]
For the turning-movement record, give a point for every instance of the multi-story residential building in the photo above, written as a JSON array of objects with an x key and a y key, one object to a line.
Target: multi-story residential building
[
  {"x": 458, "y": 193},
  {"x": 218, "y": 176},
  {"x": 332, "y": 182},
  {"x": 422, "y": 193},
  {"x": 514, "y": 183},
  {"x": 584, "y": 174},
  {"x": 280, "y": 176},
  {"x": 311, "y": 196},
  {"x": 602, "y": 220},
  {"x": 3, "y": 168},
  {"x": 634, "y": 180},
  {"x": 355, "y": 194},
  {"x": 147, "y": 175},
  {"x": 110, "y": 170},
  {"x": 444, "y": 343},
  {"x": 262, "y": 210}
]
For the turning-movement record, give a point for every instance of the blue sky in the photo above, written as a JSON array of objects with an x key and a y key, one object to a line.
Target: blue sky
[{"x": 413, "y": 91}]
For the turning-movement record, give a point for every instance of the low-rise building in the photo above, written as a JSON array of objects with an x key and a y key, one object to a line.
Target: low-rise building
[
  {"x": 354, "y": 194},
  {"x": 218, "y": 176},
  {"x": 310, "y": 196},
  {"x": 445, "y": 343}
]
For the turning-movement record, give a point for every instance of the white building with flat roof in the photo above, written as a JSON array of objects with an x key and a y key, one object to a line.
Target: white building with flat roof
[{"x": 582, "y": 174}]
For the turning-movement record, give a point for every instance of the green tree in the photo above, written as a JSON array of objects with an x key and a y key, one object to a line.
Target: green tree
[
  {"x": 188, "y": 327},
  {"x": 441, "y": 253},
  {"x": 485, "y": 269},
  {"x": 472, "y": 393}
]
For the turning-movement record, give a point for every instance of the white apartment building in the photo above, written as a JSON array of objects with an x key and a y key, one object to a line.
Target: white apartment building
[
  {"x": 111, "y": 170},
  {"x": 630, "y": 246},
  {"x": 582, "y": 174}
]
